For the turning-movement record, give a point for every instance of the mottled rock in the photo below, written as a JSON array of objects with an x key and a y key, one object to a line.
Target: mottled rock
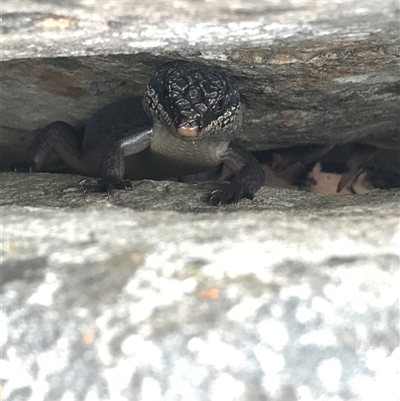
[
  {"x": 292, "y": 296},
  {"x": 308, "y": 72},
  {"x": 151, "y": 294}
]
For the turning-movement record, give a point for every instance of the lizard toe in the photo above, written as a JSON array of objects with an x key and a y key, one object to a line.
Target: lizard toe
[
  {"x": 119, "y": 184},
  {"x": 232, "y": 195},
  {"x": 215, "y": 197},
  {"x": 89, "y": 185}
]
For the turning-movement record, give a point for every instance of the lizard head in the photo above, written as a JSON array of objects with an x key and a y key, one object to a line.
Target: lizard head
[{"x": 193, "y": 100}]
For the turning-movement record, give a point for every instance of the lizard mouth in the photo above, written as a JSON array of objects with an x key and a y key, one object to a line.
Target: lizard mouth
[{"x": 189, "y": 130}]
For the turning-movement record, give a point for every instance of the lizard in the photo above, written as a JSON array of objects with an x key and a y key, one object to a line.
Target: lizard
[{"x": 184, "y": 124}]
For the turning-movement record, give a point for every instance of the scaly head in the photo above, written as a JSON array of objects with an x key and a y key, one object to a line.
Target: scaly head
[{"x": 193, "y": 100}]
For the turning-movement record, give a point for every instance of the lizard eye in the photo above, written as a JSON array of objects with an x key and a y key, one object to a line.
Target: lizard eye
[
  {"x": 165, "y": 94},
  {"x": 220, "y": 105}
]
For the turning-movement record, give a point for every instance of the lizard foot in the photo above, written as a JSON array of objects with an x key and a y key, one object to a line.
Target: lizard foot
[
  {"x": 231, "y": 195},
  {"x": 90, "y": 185},
  {"x": 243, "y": 185}
]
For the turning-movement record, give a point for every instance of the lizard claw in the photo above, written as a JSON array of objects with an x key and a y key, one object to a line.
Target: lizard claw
[
  {"x": 215, "y": 197},
  {"x": 98, "y": 185},
  {"x": 231, "y": 195},
  {"x": 21, "y": 167},
  {"x": 89, "y": 185}
]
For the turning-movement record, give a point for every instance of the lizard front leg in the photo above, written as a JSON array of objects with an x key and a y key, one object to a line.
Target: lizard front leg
[
  {"x": 248, "y": 178},
  {"x": 113, "y": 161}
]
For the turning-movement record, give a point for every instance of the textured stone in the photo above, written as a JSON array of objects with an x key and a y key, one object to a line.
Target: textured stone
[
  {"x": 308, "y": 72},
  {"x": 62, "y": 190},
  {"x": 81, "y": 27},
  {"x": 294, "y": 300},
  {"x": 151, "y": 294}
]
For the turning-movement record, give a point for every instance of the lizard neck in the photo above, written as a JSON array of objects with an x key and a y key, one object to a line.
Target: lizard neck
[{"x": 203, "y": 152}]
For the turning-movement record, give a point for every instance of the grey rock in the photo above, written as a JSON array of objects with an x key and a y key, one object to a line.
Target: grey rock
[
  {"x": 151, "y": 294},
  {"x": 293, "y": 300},
  {"x": 74, "y": 28},
  {"x": 62, "y": 190},
  {"x": 309, "y": 72}
]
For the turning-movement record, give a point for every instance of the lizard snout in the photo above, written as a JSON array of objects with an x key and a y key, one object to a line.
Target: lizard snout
[{"x": 189, "y": 127}]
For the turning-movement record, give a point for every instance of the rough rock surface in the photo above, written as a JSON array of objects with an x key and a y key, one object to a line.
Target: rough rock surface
[
  {"x": 82, "y": 27},
  {"x": 296, "y": 299},
  {"x": 309, "y": 72},
  {"x": 153, "y": 295},
  {"x": 62, "y": 190}
]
